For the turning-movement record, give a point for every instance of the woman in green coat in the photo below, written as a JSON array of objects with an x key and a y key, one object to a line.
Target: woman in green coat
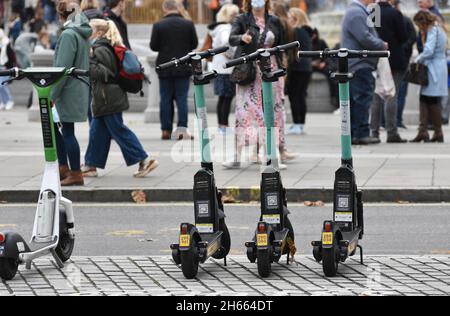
[{"x": 71, "y": 95}]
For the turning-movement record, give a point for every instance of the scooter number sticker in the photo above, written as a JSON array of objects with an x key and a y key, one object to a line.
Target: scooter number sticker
[
  {"x": 327, "y": 238},
  {"x": 262, "y": 240},
  {"x": 205, "y": 228},
  {"x": 343, "y": 216},
  {"x": 271, "y": 219},
  {"x": 185, "y": 240}
]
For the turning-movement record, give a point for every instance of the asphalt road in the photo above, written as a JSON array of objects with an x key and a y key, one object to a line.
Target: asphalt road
[{"x": 126, "y": 229}]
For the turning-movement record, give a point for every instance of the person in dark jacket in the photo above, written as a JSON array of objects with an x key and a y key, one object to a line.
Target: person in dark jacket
[
  {"x": 407, "y": 51},
  {"x": 299, "y": 72},
  {"x": 114, "y": 12},
  {"x": 109, "y": 103},
  {"x": 173, "y": 37},
  {"x": 392, "y": 29}
]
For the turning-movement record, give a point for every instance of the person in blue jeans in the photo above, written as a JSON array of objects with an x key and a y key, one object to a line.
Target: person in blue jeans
[
  {"x": 109, "y": 102},
  {"x": 358, "y": 34},
  {"x": 173, "y": 37}
]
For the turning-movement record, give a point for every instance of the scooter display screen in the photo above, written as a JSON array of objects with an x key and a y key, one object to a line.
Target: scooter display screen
[{"x": 46, "y": 123}]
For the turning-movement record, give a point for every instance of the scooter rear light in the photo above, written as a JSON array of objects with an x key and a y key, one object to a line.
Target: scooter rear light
[
  {"x": 327, "y": 227},
  {"x": 261, "y": 228},
  {"x": 2, "y": 238},
  {"x": 184, "y": 229}
]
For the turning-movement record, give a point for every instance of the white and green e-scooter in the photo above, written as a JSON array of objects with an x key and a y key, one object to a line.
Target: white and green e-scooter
[{"x": 53, "y": 229}]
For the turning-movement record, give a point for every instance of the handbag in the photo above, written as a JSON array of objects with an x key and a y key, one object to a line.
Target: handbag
[
  {"x": 245, "y": 74},
  {"x": 417, "y": 74},
  {"x": 385, "y": 85}
]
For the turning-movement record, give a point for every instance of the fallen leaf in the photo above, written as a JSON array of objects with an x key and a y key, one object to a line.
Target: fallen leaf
[
  {"x": 403, "y": 202},
  {"x": 314, "y": 204},
  {"x": 228, "y": 199},
  {"x": 139, "y": 197},
  {"x": 3, "y": 202},
  {"x": 292, "y": 249}
]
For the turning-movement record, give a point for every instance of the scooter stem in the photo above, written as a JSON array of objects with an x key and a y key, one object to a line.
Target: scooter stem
[
  {"x": 269, "y": 122},
  {"x": 202, "y": 119},
  {"x": 346, "y": 129}
]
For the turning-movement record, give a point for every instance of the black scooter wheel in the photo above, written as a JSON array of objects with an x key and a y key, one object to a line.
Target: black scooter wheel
[
  {"x": 225, "y": 241},
  {"x": 330, "y": 261},
  {"x": 8, "y": 268},
  {"x": 264, "y": 263},
  {"x": 66, "y": 244},
  {"x": 189, "y": 261}
]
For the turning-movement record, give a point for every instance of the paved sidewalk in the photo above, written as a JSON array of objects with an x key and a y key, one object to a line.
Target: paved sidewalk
[
  {"x": 380, "y": 275},
  {"x": 387, "y": 172}
]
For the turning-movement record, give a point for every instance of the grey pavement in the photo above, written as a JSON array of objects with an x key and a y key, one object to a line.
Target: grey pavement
[
  {"x": 387, "y": 172},
  {"x": 143, "y": 275}
]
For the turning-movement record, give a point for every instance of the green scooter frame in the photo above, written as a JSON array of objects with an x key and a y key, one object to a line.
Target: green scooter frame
[
  {"x": 53, "y": 229},
  {"x": 340, "y": 236},
  {"x": 274, "y": 235},
  {"x": 209, "y": 237}
]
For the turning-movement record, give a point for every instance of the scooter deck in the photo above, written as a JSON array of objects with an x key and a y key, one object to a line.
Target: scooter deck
[{"x": 35, "y": 246}]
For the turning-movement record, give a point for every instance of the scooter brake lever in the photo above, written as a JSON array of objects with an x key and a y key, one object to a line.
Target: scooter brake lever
[
  {"x": 9, "y": 81},
  {"x": 83, "y": 80}
]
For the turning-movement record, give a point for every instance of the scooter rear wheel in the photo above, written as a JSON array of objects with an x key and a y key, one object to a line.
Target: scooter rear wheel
[
  {"x": 8, "y": 268},
  {"x": 330, "y": 260},
  {"x": 263, "y": 262},
  {"x": 225, "y": 241},
  {"x": 66, "y": 244},
  {"x": 189, "y": 261}
]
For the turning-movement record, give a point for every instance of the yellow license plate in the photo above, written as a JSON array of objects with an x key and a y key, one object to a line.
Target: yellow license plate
[
  {"x": 327, "y": 238},
  {"x": 185, "y": 240},
  {"x": 262, "y": 240}
]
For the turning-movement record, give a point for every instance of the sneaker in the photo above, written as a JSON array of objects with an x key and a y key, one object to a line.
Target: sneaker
[
  {"x": 296, "y": 129},
  {"x": 337, "y": 112},
  {"x": 396, "y": 139},
  {"x": 231, "y": 165},
  {"x": 287, "y": 156},
  {"x": 89, "y": 172},
  {"x": 403, "y": 126},
  {"x": 9, "y": 105},
  {"x": 366, "y": 141},
  {"x": 145, "y": 167},
  {"x": 182, "y": 133},
  {"x": 2, "y": 106},
  {"x": 282, "y": 166}
]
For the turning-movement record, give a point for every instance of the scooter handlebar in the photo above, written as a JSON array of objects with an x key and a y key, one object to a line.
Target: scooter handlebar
[
  {"x": 344, "y": 53},
  {"x": 79, "y": 72},
  {"x": 13, "y": 72},
  {"x": 186, "y": 59},
  {"x": 282, "y": 48}
]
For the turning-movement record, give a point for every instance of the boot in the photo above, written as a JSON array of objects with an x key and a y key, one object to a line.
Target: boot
[
  {"x": 63, "y": 172},
  {"x": 436, "y": 119},
  {"x": 423, "y": 135},
  {"x": 74, "y": 178}
]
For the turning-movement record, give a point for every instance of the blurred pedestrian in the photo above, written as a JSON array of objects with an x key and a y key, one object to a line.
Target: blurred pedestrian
[
  {"x": 114, "y": 12},
  {"x": 223, "y": 87},
  {"x": 299, "y": 71},
  {"x": 91, "y": 9},
  {"x": 7, "y": 61},
  {"x": 434, "y": 57},
  {"x": 255, "y": 29},
  {"x": 50, "y": 14},
  {"x": 15, "y": 26},
  {"x": 173, "y": 37},
  {"x": 71, "y": 95},
  {"x": 357, "y": 34},
  {"x": 109, "y": 103},
  {"x": 392, "y": 29},
  {"x": 37, "y": 23},
  {"x": 407, "y": 51}
]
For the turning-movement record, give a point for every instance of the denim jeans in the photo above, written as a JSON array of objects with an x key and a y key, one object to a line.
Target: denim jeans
[
  {"x": 67, "y": 146},
  {"x": 171, "y": 89},
  {"x": 49, "y": 14},
  {"x": 401, "y": 101},
  {"x": 389, "y": 107},
  {"x": 5, "y": 94},
  {"x": 111, "y": 127},
  {"x": 362, "y": 88},
  {"x": 445, "y": 108}
]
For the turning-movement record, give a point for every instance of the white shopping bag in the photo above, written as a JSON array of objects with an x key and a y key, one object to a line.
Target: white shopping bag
[{"x": 385, "y": 86}]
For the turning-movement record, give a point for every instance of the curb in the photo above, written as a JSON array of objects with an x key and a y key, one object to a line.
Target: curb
[{"x": 123, "y": 195}]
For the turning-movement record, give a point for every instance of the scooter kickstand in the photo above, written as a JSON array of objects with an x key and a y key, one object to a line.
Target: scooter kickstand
[
  {"x": 361, "y": 254},
  {"x": 288, "y": 258},
  {"x": 58, "y": 261},
  {"x": 28, "y": 265},
  {"x": 225, "y": 261}
]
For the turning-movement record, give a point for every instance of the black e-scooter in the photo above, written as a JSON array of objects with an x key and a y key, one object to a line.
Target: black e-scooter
[
  {"x": 274, "y": 235},
  {"x": 209, "y": 237},
  {"x": 340, "y": 236}
]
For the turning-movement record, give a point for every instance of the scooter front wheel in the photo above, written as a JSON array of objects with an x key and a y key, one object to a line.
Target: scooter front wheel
[
  {"x": 330, "y": 261},
  {"x": 66, "y": 243},
  {"x": 8, "y": 268},
  {"x": 263, "y": 262},
  {"x": 189, "y": 261}
]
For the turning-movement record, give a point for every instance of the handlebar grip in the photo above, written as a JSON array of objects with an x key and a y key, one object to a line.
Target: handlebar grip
[
  {"x": 219, "y": 50},
  {"x": 236, "y": 62},
  {"x": 167, "y": 65},
  {"x": 8, "y": 73},
  {"x": 310, "y": 54},
  {"x": 289, "y": 46},
  {"x": 375, "y": 54},
  {"x": 80, "y": 73}
]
